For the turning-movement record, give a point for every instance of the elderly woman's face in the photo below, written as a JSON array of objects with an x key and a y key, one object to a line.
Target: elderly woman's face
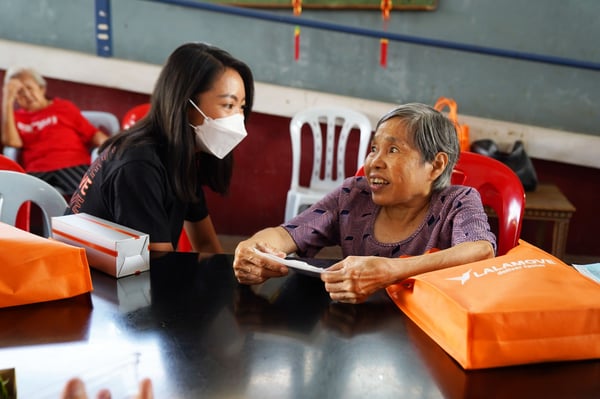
[
  {"x": 30, "y": 95},
  {"x": 394, "y": 167}
]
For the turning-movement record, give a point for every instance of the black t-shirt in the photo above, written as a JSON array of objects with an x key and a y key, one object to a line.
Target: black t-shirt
[{"x": 135, "y": 191}]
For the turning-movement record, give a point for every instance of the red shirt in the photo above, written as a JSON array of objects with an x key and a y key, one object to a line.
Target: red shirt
[{"x": 55, "y": 137}]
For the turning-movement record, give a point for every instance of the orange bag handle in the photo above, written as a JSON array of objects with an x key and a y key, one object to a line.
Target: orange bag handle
[
  {"x": 409, "y": 283},
  {"x": 443, "y": 102},
  {"x": 461, "y": 130}
]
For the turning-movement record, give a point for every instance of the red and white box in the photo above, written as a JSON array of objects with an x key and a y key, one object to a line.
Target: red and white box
[{"x": 112, "y": 248}]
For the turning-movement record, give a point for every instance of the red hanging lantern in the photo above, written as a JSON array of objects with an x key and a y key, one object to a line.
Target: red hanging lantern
[
  {"x": 297, "y": 6},
  {"x": 383, "y": 46},
  {"x": 296, "y": 43},
  {"x": 386, "y": 8}
]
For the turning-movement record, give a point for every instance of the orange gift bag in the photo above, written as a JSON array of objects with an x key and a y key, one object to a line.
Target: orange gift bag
[
  {"x": 523, "y": 307},
  {"x": 36, "y": 269},
  {"x": 461, "y": 130}
]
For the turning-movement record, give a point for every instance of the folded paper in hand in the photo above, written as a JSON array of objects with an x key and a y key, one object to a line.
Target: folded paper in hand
[
  {"x": 114, "y": 249},
  {"x": 298, "y": 265}
]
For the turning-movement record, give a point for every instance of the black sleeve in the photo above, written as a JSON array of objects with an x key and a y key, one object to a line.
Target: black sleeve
[
  {"x": 138, "y": 198},
  {"x": 198, "y": 210}
]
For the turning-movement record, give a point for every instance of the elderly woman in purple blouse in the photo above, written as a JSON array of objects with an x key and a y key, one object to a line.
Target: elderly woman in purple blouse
[{"x": 401, "y": 219}]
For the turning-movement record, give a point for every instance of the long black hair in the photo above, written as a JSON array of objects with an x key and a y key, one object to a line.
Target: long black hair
[{"x": 189, "y": 71}]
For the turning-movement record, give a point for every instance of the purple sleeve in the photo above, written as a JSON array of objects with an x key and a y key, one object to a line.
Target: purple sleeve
[
  {"x": 346, "y": 217},
  {"x": 465, "y": 211},
  {"x": 317, "y": 226}
]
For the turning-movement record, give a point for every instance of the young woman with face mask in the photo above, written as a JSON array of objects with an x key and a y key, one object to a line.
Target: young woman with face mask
[{"x": 151, "y": 176}]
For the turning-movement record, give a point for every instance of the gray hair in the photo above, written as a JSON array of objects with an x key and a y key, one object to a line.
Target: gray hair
[
  {"x": 17, "y": 72},
  {"x": 432, "y": 132}
]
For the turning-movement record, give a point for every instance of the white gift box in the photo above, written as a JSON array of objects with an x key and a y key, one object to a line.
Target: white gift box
[{"x": 112, "y": 248}]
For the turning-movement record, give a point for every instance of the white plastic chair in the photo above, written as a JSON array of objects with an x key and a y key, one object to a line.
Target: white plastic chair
[
  {"x": 17, "y": 188},
  {"x": 102, "y": 119},
  {"x": 298, "y": 196},
  {"x": 11, "y": 152}
]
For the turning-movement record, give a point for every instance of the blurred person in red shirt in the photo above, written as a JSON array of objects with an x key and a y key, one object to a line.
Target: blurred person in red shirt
[{"x": 54, "y": 137}]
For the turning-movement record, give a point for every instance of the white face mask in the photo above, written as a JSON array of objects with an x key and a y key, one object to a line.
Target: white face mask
[{"x": 219, "y": 136}]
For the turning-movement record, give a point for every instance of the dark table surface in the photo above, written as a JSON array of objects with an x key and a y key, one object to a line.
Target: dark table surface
[{"x": 199, "y": 334}]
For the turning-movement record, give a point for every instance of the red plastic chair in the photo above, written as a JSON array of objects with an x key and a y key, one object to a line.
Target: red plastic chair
[
  {"x": 500, "y": 189},
  {"x": 23, "y": 217},
  {"x": 134, "y": 114},
  {"x": 131, "y": 117},
  {"x": 184, "y": 244},
  {"x": 8, "y": 164}
]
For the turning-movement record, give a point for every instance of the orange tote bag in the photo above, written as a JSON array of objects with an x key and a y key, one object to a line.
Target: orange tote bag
[
  {"x": 36, "y": 269},
  {"x": 523, "y": 307}
]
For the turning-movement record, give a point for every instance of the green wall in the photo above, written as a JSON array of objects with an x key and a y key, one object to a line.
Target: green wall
[{"x": 486, "y": 86}]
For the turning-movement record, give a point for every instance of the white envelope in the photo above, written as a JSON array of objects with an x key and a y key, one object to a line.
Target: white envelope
[
  {"x": 298, "y": 265},
  {"x": 112, "y": 248}
]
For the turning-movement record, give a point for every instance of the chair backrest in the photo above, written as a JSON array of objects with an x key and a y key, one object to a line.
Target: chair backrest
[
  {"x": 11, "y": 153},
  {"x": 17, "y": 188},
  {"x": 134, "y": 114},
  {"x": 329, "y": 117},
  {"x": 23, "y": 215},
  {"x": 500, "y": 189},
  {"x": 106, "y": 121},
  {"x": 6, "y": 163}
]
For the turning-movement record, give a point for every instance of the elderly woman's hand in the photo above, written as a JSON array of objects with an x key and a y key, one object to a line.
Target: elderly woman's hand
[
  {"x": 11, "y": 89},
  {"x": 252, "y": 268},
  {"x": 355, "y": 278}
]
